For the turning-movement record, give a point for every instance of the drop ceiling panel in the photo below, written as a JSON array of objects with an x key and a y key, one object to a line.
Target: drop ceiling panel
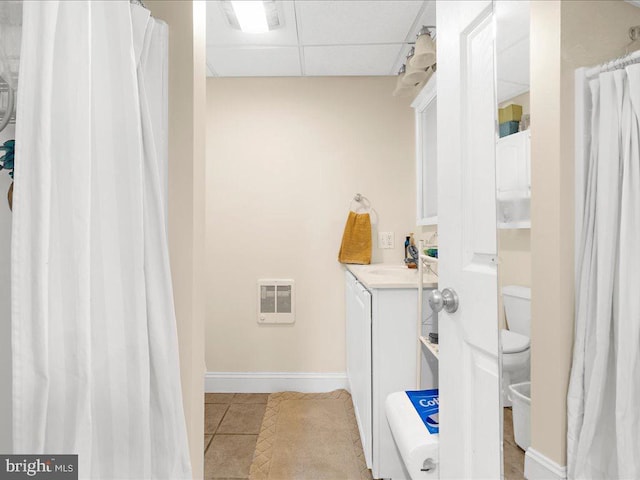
[
  {"x": 512, "y": 46},
  {"x": 351, "y": 60},
  {"x": 383, "y": 25},
  {"x": 220, "y": 33},
  {"x": 427, "y": 17},
  {"x": 508, "y": 90},
  {"x": 254, "y": 61},
  {"x": 512, "y": 23},
  {"x": 513, "y": 63},
  {"x": 348, "y": 22}
]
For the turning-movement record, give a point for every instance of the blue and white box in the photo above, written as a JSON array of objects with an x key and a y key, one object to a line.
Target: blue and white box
[{"x": 427, "y": 405}]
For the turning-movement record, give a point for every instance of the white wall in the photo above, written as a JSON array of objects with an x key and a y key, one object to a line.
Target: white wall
[
  {"x": 5, "y": 305},
  {"x": 285, "y": 156}
]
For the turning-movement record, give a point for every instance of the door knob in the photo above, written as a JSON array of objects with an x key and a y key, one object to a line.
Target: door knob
[{"x": 446, "y": 300}]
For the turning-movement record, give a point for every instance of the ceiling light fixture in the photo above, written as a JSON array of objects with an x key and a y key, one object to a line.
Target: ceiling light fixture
[
  {"x": 413, "y": 75},
  {"x": 419, "y": 66},
  {"x": 252, "y": 16},
  {"x": 402, "y": 89},
  {"x": 425, "y": 55}
]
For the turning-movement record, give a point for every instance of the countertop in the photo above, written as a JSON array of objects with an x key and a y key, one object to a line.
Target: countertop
[{"x": 384, "y": 275}]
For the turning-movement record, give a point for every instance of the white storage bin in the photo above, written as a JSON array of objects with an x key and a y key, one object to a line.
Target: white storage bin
[{"x": 520, "y": 394}]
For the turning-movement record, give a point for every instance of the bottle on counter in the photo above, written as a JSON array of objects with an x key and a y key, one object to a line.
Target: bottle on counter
[{"x": 407, "y": 242}]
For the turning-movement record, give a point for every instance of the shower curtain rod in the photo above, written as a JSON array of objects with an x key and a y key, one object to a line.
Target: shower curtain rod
[{"x": 615, "y": 64}]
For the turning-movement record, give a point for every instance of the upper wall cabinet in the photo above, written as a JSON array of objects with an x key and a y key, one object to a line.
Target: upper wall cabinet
[
  {"x": 425, "y": 106},
  {"x": 513, "y": 180}
]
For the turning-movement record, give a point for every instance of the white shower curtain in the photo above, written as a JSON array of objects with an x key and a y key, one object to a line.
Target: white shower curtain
[
  {"x": 604, "y": 393},
  {"x": 95, "y": 351}
]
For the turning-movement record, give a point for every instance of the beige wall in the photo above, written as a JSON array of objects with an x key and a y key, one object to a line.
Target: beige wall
[
  {"x": 285, "y": 157},
  {"x": 564, "y": 35},
  {"x": 187, "y": 93},
  {"x": 514, "y": 251},
  {"x": 552, "y": 235}
]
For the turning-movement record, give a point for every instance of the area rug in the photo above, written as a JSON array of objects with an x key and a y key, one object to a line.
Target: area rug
[{"x": 309, "y": 436}]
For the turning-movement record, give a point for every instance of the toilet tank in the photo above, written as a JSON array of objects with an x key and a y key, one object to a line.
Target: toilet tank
[{"x": 517, "y": 308}]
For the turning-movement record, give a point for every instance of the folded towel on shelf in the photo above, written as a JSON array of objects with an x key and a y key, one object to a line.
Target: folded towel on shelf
[{"x": 356, "y": 240}]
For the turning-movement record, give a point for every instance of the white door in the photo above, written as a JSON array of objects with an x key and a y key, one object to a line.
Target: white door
[{"x": 470, "y": 442}]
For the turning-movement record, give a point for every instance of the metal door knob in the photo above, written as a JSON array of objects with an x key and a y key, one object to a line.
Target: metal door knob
[{"x": 446, "y": 300}]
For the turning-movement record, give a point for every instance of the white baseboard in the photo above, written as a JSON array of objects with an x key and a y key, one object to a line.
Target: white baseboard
[
  {"x": 539, "y": 467},
  {"x": 269, "y": 382}
]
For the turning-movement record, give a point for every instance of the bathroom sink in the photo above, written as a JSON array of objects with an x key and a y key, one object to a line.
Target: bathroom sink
[
  {"x": 391, "y": 270},
  {"x": 390, "y": 276}
]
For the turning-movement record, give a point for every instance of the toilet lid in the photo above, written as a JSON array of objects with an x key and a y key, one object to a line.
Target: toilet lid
[{"x": 513, "y": 342}]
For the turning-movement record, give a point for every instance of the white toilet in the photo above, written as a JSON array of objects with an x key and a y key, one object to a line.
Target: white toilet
[{"x": 515, "y": 341}]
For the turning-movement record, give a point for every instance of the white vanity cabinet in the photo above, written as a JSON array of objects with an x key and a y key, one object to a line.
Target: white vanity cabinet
[
  {"x": 381, "y": 359},
  {"x": 358, "y": 304}
]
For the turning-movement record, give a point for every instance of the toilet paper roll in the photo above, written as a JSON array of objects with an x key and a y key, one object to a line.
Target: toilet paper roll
[{"x": 418, "y": 447}]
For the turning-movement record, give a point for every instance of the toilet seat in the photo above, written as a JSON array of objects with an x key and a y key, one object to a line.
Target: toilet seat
[{"x": 513, "y": 342}]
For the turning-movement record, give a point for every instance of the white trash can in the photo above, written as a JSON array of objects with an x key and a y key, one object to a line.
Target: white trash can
[{"x": 520, "y": 395}]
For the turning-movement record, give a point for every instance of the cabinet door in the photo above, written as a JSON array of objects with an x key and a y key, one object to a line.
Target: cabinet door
[
  {"x": 351, "y": 333},
  {"x": 358, "y": 305},
  {"x": 363, "y": 365},
  {"x": 512, "y": 166},
  {"x": 425, "y": 106},
  {"x": 513, "y": 181}
]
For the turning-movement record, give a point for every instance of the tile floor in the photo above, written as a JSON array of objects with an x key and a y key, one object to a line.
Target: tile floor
[
  {"x": 513, "y": 455},
  {"x": 232, "y": 424}
]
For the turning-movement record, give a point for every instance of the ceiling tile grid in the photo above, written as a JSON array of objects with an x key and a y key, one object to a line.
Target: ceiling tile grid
[
  {"x": 254, "y": 61},
  {"x": 355, "y": 22},
  {"x": 512, "y": 23},
  {"x": 351, "y": 37},
  {"x": 350, "y": 59},
  {"x": 319, "y": 37}
]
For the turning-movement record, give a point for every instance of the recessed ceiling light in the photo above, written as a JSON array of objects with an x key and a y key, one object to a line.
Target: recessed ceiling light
[{"x": 252, "y": 16}]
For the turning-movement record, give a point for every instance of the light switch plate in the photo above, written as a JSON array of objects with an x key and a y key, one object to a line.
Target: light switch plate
[{"x": 386, "y": 240}]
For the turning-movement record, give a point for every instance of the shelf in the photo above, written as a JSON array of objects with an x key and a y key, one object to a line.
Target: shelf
[
  {"x": 432, "y": 347},
  {"x": 514, "y": 225},
  {"x": 428, "y": 259},
  {"x": 429, "y": 263},
  {"x": 513, "y": 195}
]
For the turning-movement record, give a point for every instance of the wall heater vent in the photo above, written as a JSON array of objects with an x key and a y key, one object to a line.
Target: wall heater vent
[{"x": 276, "y": 301}]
